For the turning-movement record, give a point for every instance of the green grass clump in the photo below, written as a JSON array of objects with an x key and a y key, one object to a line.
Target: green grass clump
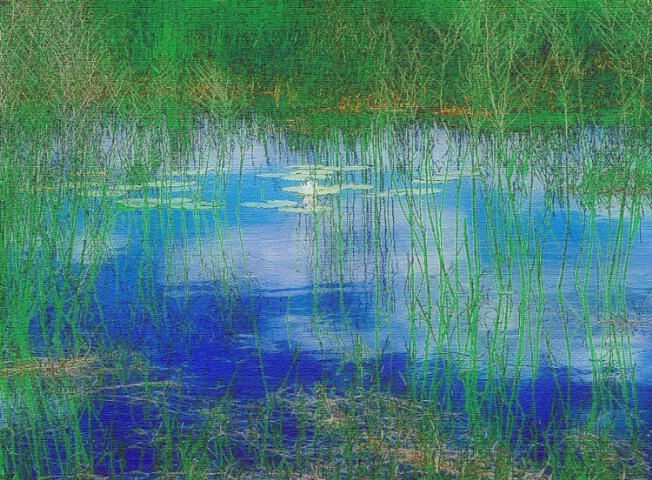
[
  {"x": 319, "y": 433},
  {"x": 589, "y": 454}
]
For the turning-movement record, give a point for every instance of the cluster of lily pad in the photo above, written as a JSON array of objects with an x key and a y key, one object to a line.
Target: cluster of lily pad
[
  {"x": 309, "y": 189},
  {"x": 183, "y": 202},
  {"x": 422, "y": 186},
  {"x": 138, "y": 196}
]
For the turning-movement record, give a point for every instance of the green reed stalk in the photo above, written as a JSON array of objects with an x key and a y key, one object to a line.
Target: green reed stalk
[
  {"x": 582, "y": 284},
  {"x": 448, "y": 302}
]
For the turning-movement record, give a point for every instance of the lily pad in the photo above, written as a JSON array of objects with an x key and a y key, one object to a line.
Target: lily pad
[
  {"x": 169, "y": 184},
  {"x": 182, "y": 203},
  {"x": 137, "y": 203},
  {"x": 300, "y": 175},
  {"x": 353, "y": 168},
  {"x": 271, "y": 175},
  {"x": 174, "y": 203},
  {"x": 330, "y": 168},
  {"x": 202, "y": 205},
  {"x": 307, "y": 209},
  {"x": 402, "y": 192},
  {"x": 314, "y": 190},
  {"x": 312, "y": 168},
  {"x": 177, "y": 202},
  {"x": 304, "y": 176},
  {"x": 270, "y": 204},
  {"x": 357, "y": 186}
]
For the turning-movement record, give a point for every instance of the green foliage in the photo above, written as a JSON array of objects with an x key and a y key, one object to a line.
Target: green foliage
[{"x": 490, "y": 61}]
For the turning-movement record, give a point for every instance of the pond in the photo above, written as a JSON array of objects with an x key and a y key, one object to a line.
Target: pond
[{"x": 239, "y": 300}]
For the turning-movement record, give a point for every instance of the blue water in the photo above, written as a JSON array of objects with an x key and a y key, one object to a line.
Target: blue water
[
  {"x": 244, "y": 301},
  {"x": 275, "y": 286}
]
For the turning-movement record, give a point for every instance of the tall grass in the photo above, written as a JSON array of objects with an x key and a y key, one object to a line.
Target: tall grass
[
  {"x": 53, "y": 56},
  {"x": 536, "y": 60}
]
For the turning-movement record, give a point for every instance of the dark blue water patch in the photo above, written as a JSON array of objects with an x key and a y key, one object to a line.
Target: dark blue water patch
[
  {"x": 91, "y": 437},
  {"x": 644, "y": 399},
  {"x": 125, "y": 430},
  {"x": 168, "y": 322},
  {"x": 207, "y": 361},
  {"x": 216, "y": 346},
  {"x": 548, "y": 404},
  {"x": 554, "y": 402},
  {"x": 194, "y": 332},
  {"x": 383, "y": 374},
  {"x": 530, "y": 413},
  {"x": 135, "y": 309},
  {"x": 351, "y": 303},
  {"x": 128, "y": 426}
]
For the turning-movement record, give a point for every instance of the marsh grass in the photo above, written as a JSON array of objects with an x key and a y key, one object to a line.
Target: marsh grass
[
  {"x": 50, "y": 410},
  {"x": 541, "y": 62},
  {"x": 54, "y": 56},
  {"x": 372, "y": 434}
]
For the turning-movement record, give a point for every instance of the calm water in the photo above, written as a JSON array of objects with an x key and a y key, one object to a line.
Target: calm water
[
  {"x": 318, "y": 257},
  {"x": 416, "y": 261}
]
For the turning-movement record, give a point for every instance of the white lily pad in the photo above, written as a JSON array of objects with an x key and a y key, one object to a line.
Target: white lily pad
[
  {"x": 402, "y": 192},
  {"x": 170, "y": 184},
  {"x": 201, "y": 205},
  {"x": 270, "y": 204},
  {"x": 183, "y": 203},
  {"x": 330, "y": 168},
  {"x": 304, "y": 176},
  {"x": 310, "y": 189},
  {"x": 307, "y": 209},
  {"x": 357, "y": 186},
  {"x": 173, "y": 203},
  {"x": 271, "y": 175},
  {"x": 312, "y": 168},
  {"x": 138, "y": 203},
  {"x": 353, "y": 168}
]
